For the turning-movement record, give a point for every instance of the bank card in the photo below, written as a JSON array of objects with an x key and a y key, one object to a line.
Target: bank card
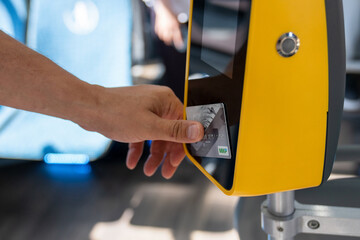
[{"x": 216, "y": 142}]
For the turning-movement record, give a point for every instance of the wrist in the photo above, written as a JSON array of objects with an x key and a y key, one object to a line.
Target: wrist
[
  {"x": 87, "y": 108},
  {"x": 164, "y": 8}
]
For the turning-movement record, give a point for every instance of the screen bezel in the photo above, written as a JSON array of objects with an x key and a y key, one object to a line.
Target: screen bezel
[{"x": 235, "y": 74}]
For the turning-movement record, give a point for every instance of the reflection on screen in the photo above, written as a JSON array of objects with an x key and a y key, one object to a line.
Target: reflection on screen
[
  {"x": 220, "y": 33},
  {"x": 217, "y": 67}
]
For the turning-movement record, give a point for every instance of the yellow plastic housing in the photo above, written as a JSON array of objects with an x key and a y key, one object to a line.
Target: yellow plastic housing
[{"x": 282, "y": 133}]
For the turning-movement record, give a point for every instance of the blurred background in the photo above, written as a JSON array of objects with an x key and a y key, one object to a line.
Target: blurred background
[{"x": 58, "y": 181}]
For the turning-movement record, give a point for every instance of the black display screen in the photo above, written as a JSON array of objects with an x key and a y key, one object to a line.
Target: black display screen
[{"x": 216, "y": 74}]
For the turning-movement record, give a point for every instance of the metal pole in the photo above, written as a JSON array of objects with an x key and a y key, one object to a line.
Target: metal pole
[{"x": 281, "y": 205}]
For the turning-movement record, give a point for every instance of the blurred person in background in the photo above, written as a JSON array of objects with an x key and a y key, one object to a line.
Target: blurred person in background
[
  {"x": 170, "y": 26},
  {"x": 170, "y": 15}
]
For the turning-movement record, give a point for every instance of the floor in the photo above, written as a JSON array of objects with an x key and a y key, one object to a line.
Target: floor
[{"x": 104, "y": 200}]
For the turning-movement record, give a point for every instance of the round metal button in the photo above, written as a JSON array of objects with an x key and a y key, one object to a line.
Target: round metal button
[{"x": 288, "y": 44}]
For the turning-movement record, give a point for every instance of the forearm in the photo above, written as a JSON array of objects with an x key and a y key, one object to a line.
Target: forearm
[{"x": 30, "y": 81}]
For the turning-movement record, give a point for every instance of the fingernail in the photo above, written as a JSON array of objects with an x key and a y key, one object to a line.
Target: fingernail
[
  {"x": 174, "y": 164},
  {"x": 167, "y": 177},
  {"x": 131, "y": 167},
  {"x": 193, "y": 132},
  {"x": 149, "y": 174}
]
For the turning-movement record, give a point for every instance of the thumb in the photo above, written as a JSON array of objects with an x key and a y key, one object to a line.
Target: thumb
[{"x": 181, "y": 131}]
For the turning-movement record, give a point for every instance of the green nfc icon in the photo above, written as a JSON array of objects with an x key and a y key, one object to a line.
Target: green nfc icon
[{"x": 223, "y": 151}]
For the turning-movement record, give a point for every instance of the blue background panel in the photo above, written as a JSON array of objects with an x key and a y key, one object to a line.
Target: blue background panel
[{"x": 89, "y": 38}]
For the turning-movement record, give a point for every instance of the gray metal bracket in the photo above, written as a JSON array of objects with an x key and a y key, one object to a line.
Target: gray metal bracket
[{"x": 283, "y": 218}]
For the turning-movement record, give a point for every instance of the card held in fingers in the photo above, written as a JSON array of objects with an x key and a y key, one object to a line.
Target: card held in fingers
[{"x": 215, "y": 143}]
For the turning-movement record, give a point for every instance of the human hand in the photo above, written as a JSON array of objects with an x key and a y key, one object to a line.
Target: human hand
[
  {"x": 145, "y": 112},
  {"x": 167, "y": 27},
  {"x": 129, "y": 114}
]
